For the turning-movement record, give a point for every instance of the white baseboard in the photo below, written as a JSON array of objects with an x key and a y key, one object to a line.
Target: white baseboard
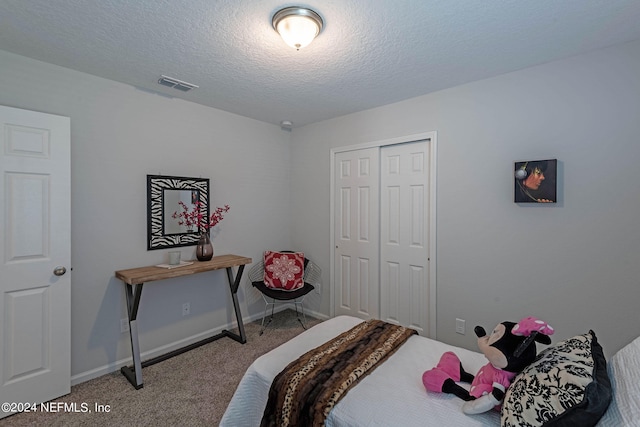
[{"x": 149, "y": 354}]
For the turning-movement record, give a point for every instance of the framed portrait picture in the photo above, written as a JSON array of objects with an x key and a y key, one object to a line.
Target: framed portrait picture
[{"x": 535, "y": 181}]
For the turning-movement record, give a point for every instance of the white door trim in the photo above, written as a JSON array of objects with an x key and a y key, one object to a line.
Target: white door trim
[{"x": 432, "y": 138}]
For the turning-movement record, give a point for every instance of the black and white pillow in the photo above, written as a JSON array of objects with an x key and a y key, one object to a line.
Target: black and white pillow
[{"x": 567, "y": 385}]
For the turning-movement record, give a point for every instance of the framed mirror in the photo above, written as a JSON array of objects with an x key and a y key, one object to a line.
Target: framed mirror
[{"x": 167, "y": 197}]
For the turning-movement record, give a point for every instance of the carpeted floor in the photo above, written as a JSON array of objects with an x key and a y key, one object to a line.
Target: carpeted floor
[{"x": 192, "y": 389}]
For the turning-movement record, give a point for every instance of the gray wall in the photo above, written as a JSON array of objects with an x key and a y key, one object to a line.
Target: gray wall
[
  {"x": 575, "y": 264},
  {"x": 120, "y": 134}
]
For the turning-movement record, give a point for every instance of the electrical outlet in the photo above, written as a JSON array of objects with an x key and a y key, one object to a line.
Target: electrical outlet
[
  {"x": 124, "y": 325},
  {"x": 186, "y": 309},
  {"x": 460, "y": 326}
]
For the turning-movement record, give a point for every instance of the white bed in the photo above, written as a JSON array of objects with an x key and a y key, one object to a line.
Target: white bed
[{"x": 393, "y": 394}]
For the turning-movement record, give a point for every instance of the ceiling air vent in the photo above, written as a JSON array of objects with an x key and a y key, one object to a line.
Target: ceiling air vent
[{"x": 176, "y": 84}]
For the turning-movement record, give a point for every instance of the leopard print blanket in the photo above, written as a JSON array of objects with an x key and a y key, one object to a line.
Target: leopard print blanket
[{"x": 304, "y": 393}]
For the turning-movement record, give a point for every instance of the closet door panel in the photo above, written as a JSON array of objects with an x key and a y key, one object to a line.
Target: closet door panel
[
  {"x": 356, "y": 219},
  {"x": 404, "y": 252}
]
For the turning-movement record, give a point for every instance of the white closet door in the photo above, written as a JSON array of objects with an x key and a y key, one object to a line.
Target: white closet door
[
  {"x": 356, "y": 233},
  {"x": 404, "y": 236}
]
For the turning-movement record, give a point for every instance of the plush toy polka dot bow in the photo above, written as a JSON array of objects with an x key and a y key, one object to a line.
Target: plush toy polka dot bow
[{"x": 530, "y": 327}]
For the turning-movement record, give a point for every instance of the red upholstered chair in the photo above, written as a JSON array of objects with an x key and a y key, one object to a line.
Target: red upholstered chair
[{"x": 284, "y": 277}]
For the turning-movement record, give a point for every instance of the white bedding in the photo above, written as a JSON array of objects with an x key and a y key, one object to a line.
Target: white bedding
[
  {"x": 393, "y": 394},
  {"x": 624, "y": 372}
]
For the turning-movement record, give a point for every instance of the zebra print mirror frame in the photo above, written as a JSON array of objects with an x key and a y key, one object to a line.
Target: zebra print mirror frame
[{"x": 161, "y": 230}]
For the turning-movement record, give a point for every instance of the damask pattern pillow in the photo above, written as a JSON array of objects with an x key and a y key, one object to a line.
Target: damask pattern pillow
[
  {"x": 567, "y": 385},
  {"x": 284, "y": 270}
]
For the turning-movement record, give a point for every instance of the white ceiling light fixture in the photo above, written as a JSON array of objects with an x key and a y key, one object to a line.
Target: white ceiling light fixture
[{"x": 297, "y": 26}]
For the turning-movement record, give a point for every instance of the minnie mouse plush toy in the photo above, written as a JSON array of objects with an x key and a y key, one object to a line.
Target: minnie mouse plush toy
[{"x": 509, "y": 348}]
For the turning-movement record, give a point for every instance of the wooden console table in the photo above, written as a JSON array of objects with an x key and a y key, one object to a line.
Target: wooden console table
[{"x": 135, "y": 278}]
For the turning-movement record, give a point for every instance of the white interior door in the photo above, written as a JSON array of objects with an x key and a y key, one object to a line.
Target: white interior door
[
  {"x": 356, "y": 237},
  {"x": 404, "y": 235},
  {"x": 35, "y": 256}
]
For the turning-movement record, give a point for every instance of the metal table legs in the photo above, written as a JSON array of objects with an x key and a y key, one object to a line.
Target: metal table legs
[{"x": 133, "y": 293}]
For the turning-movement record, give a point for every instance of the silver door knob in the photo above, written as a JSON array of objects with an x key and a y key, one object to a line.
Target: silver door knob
[{"x": 59, "y": 271}]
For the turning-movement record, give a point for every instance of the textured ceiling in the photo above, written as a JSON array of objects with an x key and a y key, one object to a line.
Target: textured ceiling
[{"x": 370, "y": 53}]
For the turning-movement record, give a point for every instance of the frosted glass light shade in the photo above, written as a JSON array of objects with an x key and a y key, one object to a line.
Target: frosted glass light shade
[{"x": 297, "y": 26}]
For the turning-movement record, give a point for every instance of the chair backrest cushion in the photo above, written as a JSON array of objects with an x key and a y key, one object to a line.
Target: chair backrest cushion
[{"x": 284, "y": 270}]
